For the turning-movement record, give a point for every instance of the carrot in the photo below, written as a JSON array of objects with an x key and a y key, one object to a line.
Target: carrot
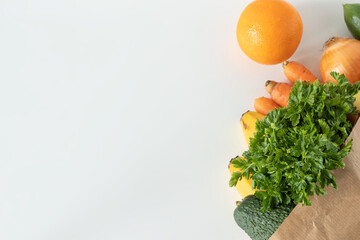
[
  {"x": 296, "y": 71},
  {"x": 279, "y": 92},
  {"x": 264, "y": 105}
]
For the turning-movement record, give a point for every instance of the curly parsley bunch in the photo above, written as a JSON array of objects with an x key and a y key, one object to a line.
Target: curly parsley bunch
[{"x": 295, "y": 147}]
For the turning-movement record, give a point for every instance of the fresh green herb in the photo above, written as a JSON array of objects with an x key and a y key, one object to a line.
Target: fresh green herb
[{"x": 294, "y": 148}]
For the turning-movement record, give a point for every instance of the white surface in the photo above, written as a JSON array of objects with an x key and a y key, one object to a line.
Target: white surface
[{"x": 118, "y": 118}]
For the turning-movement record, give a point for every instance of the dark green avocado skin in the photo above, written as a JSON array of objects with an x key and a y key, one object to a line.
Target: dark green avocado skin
[
  {"x": 352, "y": 18},
  {"x": 260, "y": 225}
]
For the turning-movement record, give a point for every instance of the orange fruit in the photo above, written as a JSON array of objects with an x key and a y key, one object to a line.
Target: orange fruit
[{"x": 269, "y": 31}]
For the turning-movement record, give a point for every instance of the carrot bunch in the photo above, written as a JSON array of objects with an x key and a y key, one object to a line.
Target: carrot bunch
[{"x": 279, "y": 91}]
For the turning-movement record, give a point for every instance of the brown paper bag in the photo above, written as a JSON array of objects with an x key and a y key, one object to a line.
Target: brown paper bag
[{"x": 335, "y": 216}]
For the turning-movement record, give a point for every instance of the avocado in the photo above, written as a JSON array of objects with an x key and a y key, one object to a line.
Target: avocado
[
  {"x": 260, "y": 225},
  {"x": 352, "y": 18}
]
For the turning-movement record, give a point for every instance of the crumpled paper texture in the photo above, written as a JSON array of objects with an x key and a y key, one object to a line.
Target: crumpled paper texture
[{"x": 335, "y": 216}]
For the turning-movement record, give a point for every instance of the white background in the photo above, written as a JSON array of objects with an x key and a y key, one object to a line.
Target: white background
[{"x": 118, "y": 118}]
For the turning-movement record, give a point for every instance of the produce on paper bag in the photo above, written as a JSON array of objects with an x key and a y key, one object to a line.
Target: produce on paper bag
[{"x": 298, "y": 136}]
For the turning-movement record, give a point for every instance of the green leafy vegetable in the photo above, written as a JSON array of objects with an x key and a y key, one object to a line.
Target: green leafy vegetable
[{"x": 295, "y": 147}]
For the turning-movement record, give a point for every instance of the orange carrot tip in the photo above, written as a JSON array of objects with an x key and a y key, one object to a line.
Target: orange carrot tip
[{"x": 264, "y": 105}]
